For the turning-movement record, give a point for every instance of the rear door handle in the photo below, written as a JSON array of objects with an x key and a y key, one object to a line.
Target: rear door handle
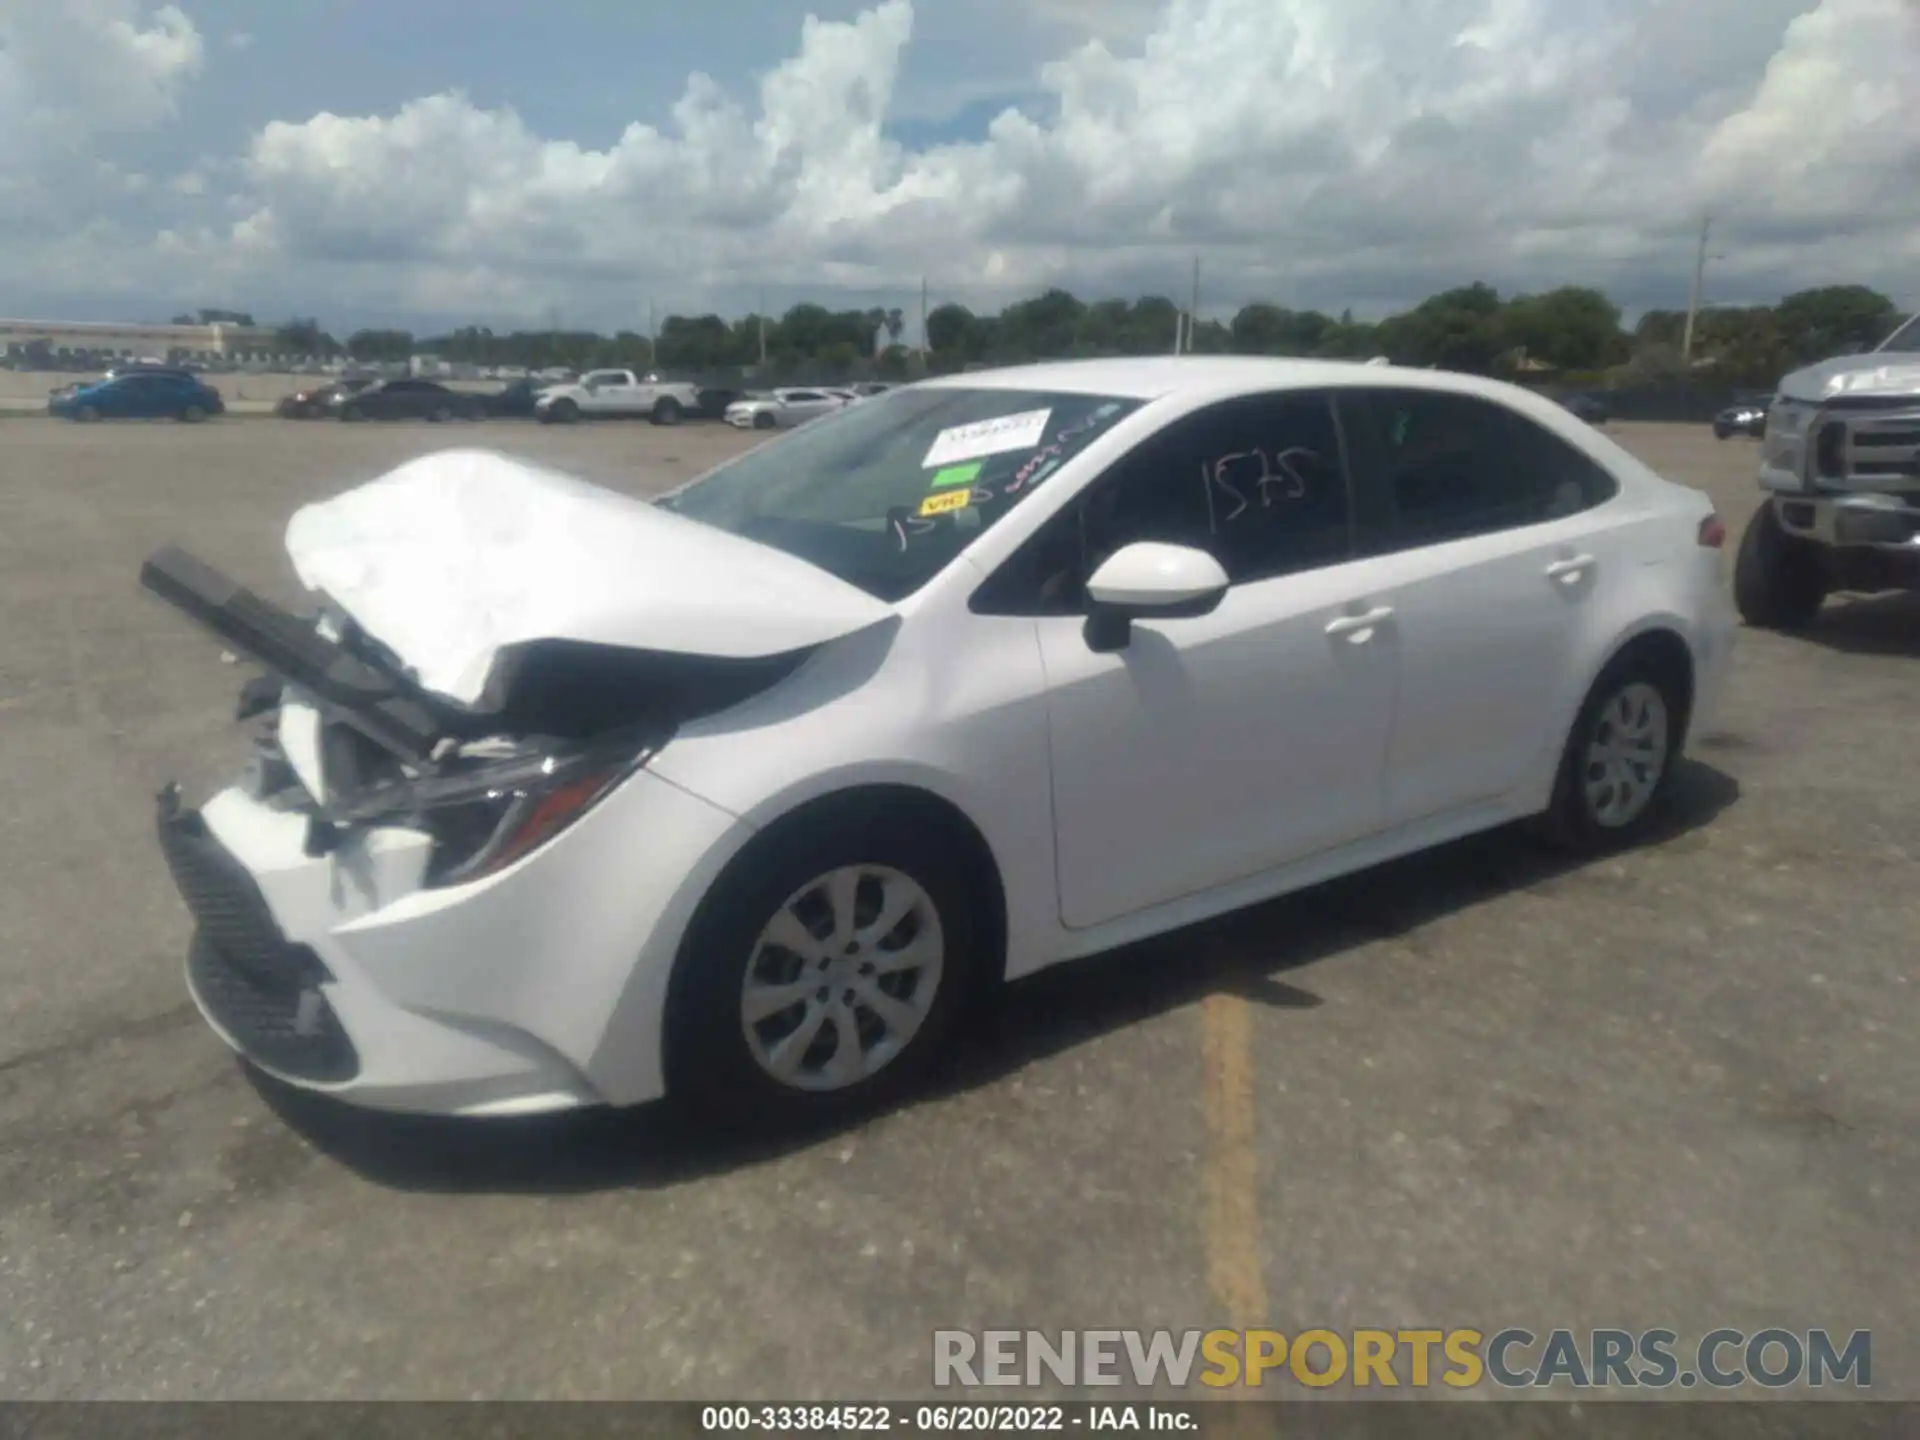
[
  {"x": 1570, "y": 569},
  {"x": 1360, "y": 627}
]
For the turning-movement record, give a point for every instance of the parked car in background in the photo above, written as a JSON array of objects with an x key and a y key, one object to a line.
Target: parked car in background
[
  {"x": 1743, "y": 417},
  {"x": 514, "y": 400},
  {"x": 1590, "y": 408},
  {"x": 140, "y": 395},
  {"x": 312, "y": 403},
  {"x": 618, "y": 394},
  {"x": 1840, "y": 462},
  {"x": 784, "y": 409},
  {"x": 743, "y": 797},
  {"x": 407, "y": 399}
]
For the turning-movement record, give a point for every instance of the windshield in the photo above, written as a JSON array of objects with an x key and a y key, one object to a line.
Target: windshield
[
  {"x": 885, "y": 493},
  {"x": 1907, "y": 337}
]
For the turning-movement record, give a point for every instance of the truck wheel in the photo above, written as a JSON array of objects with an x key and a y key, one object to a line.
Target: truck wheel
[
  {"x": 563, "y": 412},
  {"x": 1779, "y": 582},
  {"x": 666, "y": 411}
]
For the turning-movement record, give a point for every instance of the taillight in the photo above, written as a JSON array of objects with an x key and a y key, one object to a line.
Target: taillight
[{"x": 1712, "y": 534}]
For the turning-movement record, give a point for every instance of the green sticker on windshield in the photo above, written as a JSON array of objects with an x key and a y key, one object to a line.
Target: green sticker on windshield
[{"x": 955, "y": 475}]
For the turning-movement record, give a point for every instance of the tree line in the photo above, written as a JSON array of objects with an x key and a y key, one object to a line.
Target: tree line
[{"x": 1572, "y": 332}]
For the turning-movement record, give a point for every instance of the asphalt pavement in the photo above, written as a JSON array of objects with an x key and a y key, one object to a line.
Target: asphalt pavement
[{"x": 1481, "y": 1087}]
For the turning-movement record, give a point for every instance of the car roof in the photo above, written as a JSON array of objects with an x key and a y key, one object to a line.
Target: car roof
[{"x": 1153, "y": 377}]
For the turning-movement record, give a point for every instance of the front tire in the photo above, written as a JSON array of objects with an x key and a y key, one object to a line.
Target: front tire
[
  {"x": 193, "y": 415},
  {"x": 86, "y": 415},
  {"x": 825, "y": 974},
  {"x": 562, "y": 412},
  {"x": 1779, "y": 582},
  {"x": 764, "y": 421},
  {"x": 1613, "y": 779}
]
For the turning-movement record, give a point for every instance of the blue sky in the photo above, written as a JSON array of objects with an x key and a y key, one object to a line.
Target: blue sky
[{"x": 437, "y": 161}]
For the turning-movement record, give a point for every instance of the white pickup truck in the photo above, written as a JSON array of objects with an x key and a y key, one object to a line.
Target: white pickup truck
[
  {"x": 1840, "y": 462},
  {"x": 610, "y": 394}
]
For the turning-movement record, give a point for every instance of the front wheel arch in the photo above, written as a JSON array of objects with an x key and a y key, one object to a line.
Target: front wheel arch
[{"x": 850, "y": 809}]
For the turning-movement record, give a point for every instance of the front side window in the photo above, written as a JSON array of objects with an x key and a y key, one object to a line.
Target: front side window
[
  {"x": 886, "y": 493},
  {"x": 1258, "y": 482},
  {"x": 1452, "y": 466}
]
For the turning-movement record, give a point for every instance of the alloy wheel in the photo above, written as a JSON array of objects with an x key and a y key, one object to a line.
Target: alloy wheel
[
  {"x": 1625, "y": 756},
  {"x": 842, "y": 978}
]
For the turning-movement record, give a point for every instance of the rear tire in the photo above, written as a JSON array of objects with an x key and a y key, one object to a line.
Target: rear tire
[
  {"x": 667, "y": 411},
  {"x": 193, "y": 415},
  {"x": 722, "y": 1065},
  {"x": 1614, "y": 773},
  {"x": 440, "y": 415},
  {"x": 1779, "y": 582}
]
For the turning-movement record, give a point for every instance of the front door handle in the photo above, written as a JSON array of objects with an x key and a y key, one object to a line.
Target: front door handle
[
  {"x": 1359, "y": 628},
  {"x": 1571, "y": 569}
]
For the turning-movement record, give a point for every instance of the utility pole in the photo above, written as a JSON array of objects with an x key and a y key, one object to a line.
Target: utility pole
[
  {"x": 762, "y": 312},
  {"x": 926, "y": 345},
  {"x": 1694, "y": 292},
  {"x": 1193, "y": 308}
]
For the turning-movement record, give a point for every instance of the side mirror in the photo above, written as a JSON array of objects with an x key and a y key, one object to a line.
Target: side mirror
[{"x": 1149, "y": 580}]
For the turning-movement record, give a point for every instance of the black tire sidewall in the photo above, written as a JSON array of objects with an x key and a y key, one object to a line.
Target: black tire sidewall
[
  {"x": 1570, "y": 818},
  {"x": 710, "y": 1069},
  {"x": 764, "y": 422},
  {"x": 666, "y": 412},
  {"x": 1776, "y": 580}
]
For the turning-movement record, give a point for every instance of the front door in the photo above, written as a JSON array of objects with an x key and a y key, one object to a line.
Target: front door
[{"x": 1213, "y": 749}]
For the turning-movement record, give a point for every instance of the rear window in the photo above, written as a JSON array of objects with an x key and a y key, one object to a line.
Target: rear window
[{"x": 884, "y": 494}]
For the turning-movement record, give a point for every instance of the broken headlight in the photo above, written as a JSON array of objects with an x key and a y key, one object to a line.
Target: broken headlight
[{"x": 491, "y": 805}]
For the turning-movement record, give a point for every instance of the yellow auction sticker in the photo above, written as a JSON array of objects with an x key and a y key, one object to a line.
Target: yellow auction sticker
[{"x": 942, "y": 504}]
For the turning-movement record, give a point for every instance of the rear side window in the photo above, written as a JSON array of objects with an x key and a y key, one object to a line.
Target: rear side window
[{"x": 1447, "y": 467}]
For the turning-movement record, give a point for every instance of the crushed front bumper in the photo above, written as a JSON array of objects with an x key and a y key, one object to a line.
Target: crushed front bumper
[{"x": 540, "y": 988}]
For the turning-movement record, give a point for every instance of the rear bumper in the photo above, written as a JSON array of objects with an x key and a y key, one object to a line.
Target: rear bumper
[{"x": 540, "y": 988}]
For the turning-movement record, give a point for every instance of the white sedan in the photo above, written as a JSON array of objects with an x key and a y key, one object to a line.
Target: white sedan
[
  {"x": 784, "y": 409},
  {"x": 741, "y": 797}
]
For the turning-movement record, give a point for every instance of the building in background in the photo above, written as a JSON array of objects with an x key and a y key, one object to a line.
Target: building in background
[{"x": 49, "y": 343}]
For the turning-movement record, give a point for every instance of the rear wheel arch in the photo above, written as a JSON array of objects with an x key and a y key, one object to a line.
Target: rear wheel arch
[{"x": 1667, "y": 650}]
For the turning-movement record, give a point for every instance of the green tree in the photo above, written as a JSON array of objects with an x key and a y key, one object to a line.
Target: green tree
[
  {"x": 1818, "y": 324},
  {"x": 1573, "y": 328}
]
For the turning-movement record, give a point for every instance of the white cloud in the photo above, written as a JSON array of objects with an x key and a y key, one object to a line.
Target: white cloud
[
  {"x": 88, "y": 67},
  {"x": 1321, "y": 151}
]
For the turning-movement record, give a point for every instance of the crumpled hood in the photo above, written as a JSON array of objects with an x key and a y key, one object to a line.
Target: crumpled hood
[
  {"x": 455, "y": 556},
  {"x": 1878, "y": 373}
]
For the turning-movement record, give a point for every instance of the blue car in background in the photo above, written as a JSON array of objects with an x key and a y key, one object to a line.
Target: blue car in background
[{"x": 139, "y": 395}]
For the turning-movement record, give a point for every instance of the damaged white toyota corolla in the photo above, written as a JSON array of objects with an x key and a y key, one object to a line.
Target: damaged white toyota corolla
[{"x": 566, "y": 798}]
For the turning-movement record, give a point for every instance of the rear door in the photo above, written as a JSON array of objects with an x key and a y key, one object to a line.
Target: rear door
[{"x": 1494, "y": 559}]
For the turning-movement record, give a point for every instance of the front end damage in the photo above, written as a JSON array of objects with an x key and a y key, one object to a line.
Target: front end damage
[
  {"x": 1841, "y": 460},
  {"x": 405, "y": 899}
]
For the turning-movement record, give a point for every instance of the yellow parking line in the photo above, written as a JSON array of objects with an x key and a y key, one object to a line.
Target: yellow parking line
[{"x": 1230, "y": 1218}]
